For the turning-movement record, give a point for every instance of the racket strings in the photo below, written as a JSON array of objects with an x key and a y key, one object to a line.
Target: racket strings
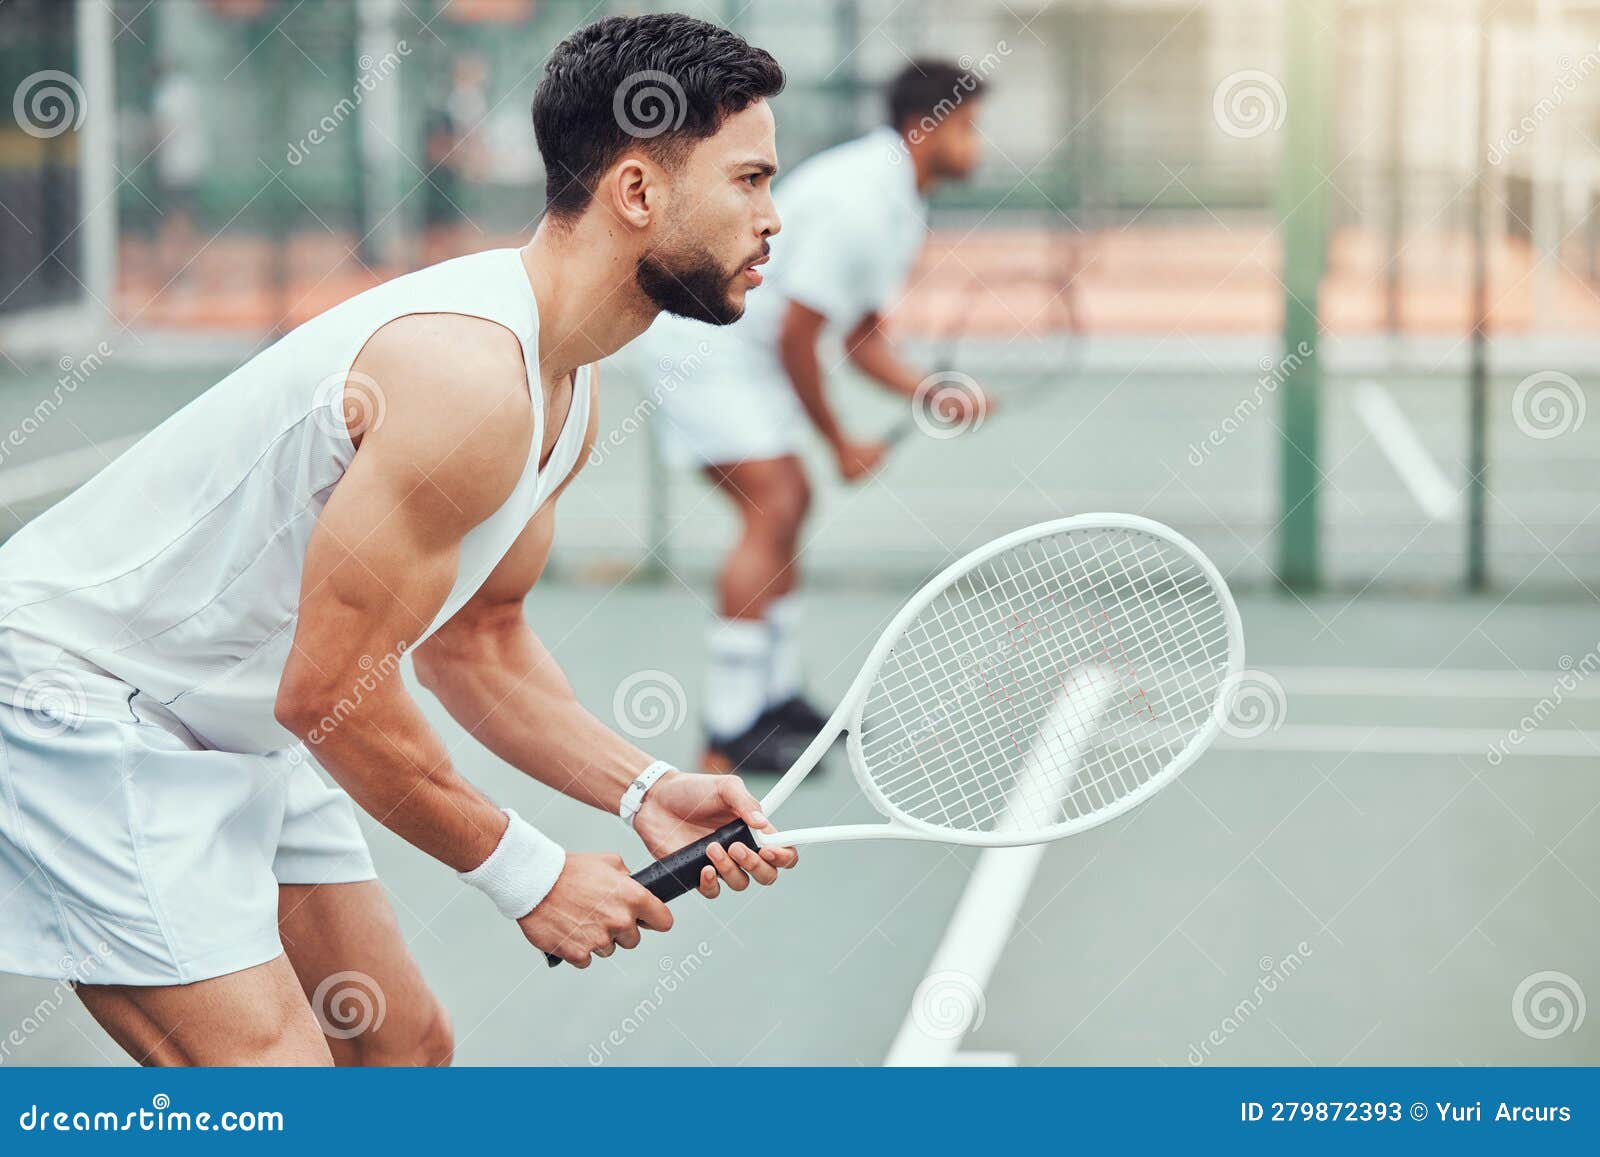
[
  {"x": 1094, "y": 791},
  {"x": 1035, "y": 671},
  {"x": 1049, "y": 683}
]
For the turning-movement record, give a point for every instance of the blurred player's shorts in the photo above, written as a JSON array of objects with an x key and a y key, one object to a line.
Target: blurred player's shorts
[{"x": 714, "y": 397}]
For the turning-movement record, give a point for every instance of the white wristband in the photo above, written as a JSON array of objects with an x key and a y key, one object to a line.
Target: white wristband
[
  {"x": 521, "y": 870},
  {"x": 633, "y": 798}
]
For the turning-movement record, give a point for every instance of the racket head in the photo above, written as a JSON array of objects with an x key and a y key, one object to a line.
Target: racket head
[{"x": 1046, "y": 683}]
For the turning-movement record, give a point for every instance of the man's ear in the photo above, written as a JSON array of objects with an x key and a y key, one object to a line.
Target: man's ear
[{"x": 633, "y": 192}]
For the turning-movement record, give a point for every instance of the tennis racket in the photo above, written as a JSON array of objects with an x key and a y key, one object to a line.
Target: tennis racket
[{"x": 1038, "y": 687}]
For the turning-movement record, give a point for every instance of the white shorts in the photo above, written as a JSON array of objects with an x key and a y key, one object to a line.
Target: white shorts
[
  {"x": 131, "y": 855},
  {"x": 717, "y": 400}
]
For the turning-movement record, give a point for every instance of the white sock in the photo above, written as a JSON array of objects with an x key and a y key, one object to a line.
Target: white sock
[
  {"x": 783, "y": 673},
  {"x": 736, "y": 680}
]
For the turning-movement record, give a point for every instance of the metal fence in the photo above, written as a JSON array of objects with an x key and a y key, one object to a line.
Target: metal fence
[{"x": 235, "y": 166}]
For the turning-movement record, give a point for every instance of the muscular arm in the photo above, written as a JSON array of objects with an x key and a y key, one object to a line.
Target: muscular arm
[
  {"x": 498, "y": 681},
  {"x": 382, "y": 561}
]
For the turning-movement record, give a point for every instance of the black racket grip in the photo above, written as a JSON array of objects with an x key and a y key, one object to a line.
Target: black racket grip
[{"x": 673, "y": 875}]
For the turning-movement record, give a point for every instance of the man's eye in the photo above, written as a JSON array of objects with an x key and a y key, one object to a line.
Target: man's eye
[{"x": 753, "y": 179}]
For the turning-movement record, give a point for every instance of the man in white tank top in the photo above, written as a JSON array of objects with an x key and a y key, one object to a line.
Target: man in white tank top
[
  {"x": 235, "y": 594},
  {"x": 740, "y": 397}
]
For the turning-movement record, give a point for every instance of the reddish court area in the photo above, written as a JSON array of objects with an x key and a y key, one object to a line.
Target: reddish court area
[{"x": 1002, "y": 282}]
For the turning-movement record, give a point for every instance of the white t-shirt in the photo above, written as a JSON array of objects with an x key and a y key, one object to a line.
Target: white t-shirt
[{"x": 853, "y": 224}]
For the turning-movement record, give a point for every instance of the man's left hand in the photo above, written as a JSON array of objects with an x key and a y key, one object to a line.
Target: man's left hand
[{"x": 681, "y": 808}]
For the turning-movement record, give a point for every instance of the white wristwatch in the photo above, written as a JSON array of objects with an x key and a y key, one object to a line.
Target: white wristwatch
[{"x": 633, "y": 798}]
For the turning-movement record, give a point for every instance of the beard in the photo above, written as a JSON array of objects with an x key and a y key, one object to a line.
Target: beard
[{"x": 692, "y": 286}]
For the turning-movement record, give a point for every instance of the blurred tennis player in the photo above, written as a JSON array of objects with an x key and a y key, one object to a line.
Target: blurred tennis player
[
  {"x": 243, "y": 582},
  {"x": 854, "y": 221}
]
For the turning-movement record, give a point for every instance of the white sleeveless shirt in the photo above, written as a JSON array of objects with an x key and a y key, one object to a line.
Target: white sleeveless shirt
[{"x": 175, "y": 572}]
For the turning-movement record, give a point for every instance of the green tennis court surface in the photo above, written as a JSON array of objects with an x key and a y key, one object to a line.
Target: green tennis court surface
[{"x": 1361, "y": 853}]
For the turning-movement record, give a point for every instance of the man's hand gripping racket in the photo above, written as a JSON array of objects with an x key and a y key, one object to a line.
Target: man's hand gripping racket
[{"x": 1040, "y": 686}]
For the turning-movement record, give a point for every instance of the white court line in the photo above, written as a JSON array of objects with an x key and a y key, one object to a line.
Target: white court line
[
  {"x": 972, "y": 944},
  {"x": 59, "y": 472},
  {"x": 1398, "y": 440},
  {"x": 966, "y": 957},
  {"x": 1421, "y": 683},
  {"x": 1307, "y": 737}
]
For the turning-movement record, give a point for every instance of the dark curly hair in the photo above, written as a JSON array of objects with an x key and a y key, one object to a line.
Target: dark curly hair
[{"x": 662, "y": 81}]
